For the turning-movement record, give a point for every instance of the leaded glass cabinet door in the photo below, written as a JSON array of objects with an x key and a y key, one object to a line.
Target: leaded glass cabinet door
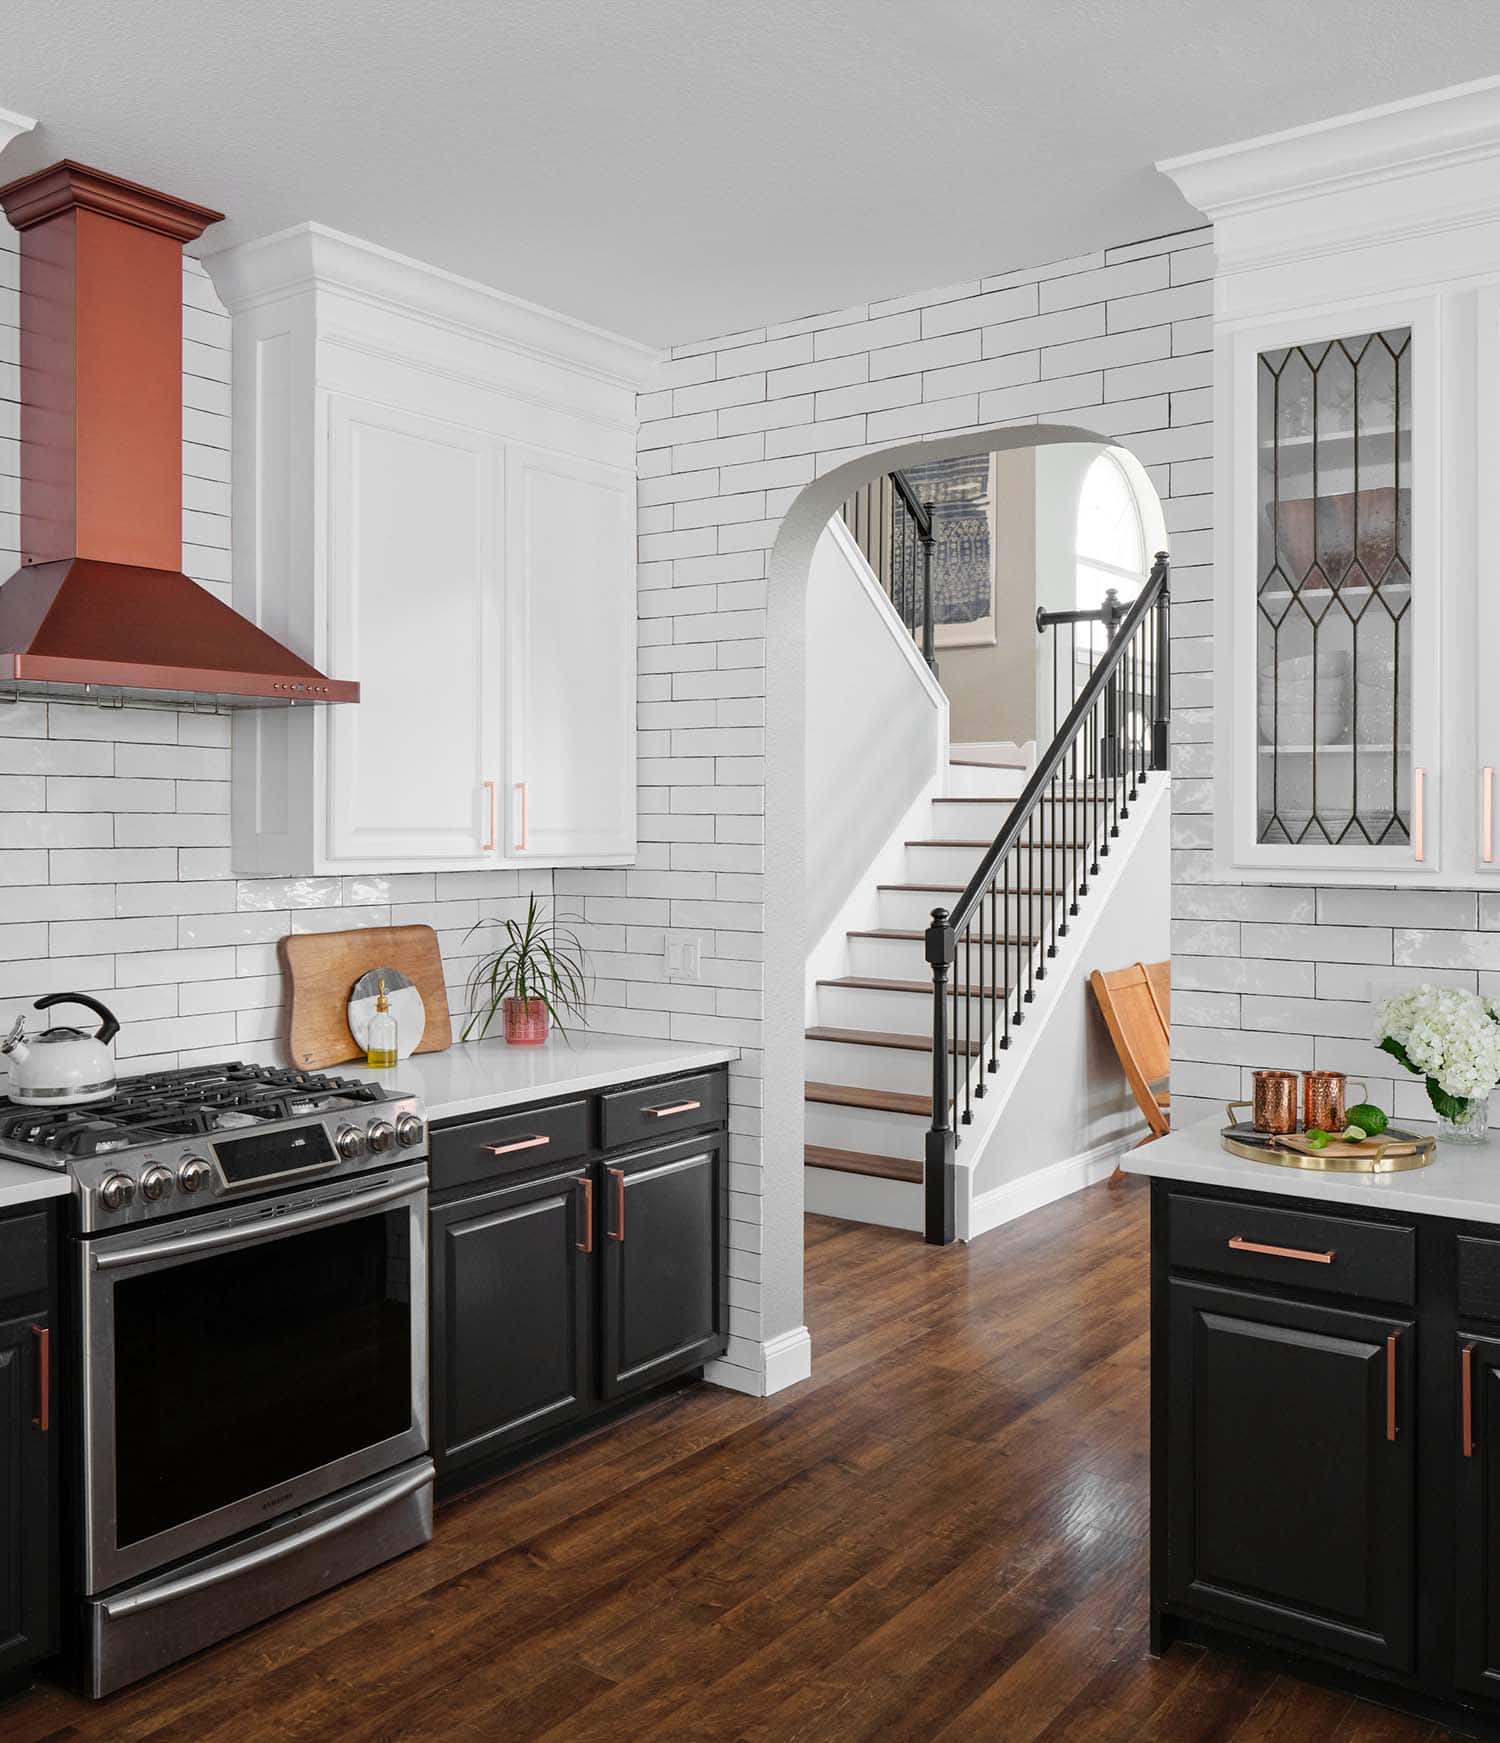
[{"x": 1337, "y": 764}]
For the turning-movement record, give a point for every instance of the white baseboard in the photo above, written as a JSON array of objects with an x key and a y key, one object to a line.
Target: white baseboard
[
  {"x": 784, "y": 1361},
  {"x": 1003, "y": 1204}
]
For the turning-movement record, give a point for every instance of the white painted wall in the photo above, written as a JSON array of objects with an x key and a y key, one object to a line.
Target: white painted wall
[{"x": 876, "y": 726}]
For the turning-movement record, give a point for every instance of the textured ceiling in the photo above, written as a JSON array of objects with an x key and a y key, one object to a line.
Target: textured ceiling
[{"x": 676, "y": 169}]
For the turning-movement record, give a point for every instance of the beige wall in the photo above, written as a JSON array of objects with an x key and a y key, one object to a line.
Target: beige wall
[{"x": 991, "y": 690}]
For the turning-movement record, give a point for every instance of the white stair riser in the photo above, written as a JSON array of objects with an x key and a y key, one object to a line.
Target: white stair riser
[
  {"x": 903, "y": 910},
  {"x": 903, "y": 959},
  {"x": 956, "y": 865},
  {"x": 999, "y": 783},
  {"x": 864, "y": 1198},
  {"x": 897, "y": 1068},
  {"x": 881, "y": 1134},
  {"x": 843, "y": 1007}
]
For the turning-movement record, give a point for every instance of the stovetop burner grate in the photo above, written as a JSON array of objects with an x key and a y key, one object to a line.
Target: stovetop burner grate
[{"x": 177, "y": 1104}]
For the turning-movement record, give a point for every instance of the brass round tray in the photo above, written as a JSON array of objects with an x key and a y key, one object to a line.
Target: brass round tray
[{"x": 1393, "y": 1152}]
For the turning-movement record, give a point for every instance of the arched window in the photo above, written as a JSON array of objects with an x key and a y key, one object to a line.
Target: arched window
[{"x": 1111, "y": 539}]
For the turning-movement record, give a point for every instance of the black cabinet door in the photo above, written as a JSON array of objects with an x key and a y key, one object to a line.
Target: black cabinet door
[
  {"x": 663, "y": 1275},
  {"x": 1290, "y": 1447},
  {"x": 1476, "y": 1444},
  {"x": 28, "y": 1629},
  {"x": 511, "y": 1322}
]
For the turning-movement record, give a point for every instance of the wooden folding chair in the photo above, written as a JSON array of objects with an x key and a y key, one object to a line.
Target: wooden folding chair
[{"x": 1135, "y": 1003}]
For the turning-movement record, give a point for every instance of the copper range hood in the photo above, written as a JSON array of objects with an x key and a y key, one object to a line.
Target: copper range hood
[{"x": 101, "y": 608}]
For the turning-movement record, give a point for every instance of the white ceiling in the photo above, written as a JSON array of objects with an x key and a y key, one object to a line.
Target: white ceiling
[{"x": 676, "y": 169}]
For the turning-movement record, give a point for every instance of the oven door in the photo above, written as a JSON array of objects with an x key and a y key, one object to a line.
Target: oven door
[{"x": 243, "y": 1363}]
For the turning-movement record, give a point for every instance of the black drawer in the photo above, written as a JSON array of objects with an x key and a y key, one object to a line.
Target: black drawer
[
  {"x": 1478, "y": 1278},
  {"x": 505, "y": 1143},
  {"x": 658, "y": 1110},
  {"x": 25, "y": 1255},
  {"x": 1334, "y": 1255}
]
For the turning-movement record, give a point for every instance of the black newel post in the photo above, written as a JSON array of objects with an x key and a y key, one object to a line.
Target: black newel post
[{"x": 940, "y": 1175}]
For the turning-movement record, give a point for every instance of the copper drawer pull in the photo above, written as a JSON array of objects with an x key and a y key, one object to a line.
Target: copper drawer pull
[
  {"x": 677, "y": 1107},
  {"x": 586, "y": 1245},
  {"x": 617, "y": 1233},
  {"x": 1241, "y": 1245},
  {"x": 1466, "y": 1371},
  {"x": 1390, "y": 1385},
  {"x": 518, "y": 1144},
  {"x": 43, "y": 1336}
]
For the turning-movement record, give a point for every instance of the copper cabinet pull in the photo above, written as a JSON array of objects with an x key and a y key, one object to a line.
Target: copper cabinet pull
[
  {"x": 1419, "y": 813},
  {"x": 677, "y": 1107},
  {"x": 489, "y": 845},
  {"x": 1466, "y": 1395},
  {"x": 1390, "y": 1385},
  {"x": 617, "y": 1233},
  {"x": 1487, "y": 824},
  {"x": 43, "y": 1336},
  {"x": 517, "y": 1144},
  {"x": 1241, "y": 1245},
  {"x": 586, "y": 1245},
  {"x": 523, "y": 788}
]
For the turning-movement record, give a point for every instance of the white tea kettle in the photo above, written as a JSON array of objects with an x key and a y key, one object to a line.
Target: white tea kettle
[{"x": 62, "y": 1066}]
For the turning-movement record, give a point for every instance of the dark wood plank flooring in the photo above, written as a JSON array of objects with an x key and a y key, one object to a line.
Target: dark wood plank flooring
[{"x": 941, "y": 1537}]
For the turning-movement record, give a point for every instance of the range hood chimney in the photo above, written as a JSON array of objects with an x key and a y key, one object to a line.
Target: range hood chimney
[{"x": 100, "y": 607}]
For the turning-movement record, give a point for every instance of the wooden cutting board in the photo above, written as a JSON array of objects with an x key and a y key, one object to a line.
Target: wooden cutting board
[{"x": 321, "y": 969}]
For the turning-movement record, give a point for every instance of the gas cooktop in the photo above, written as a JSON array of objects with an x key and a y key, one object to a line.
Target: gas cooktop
[{"x": 171, "y": 1142}]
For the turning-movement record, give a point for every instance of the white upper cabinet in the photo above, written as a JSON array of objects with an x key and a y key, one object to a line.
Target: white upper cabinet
[
  {"x": 1356, "y": 332},
  {"x": 434, "y": 494}
]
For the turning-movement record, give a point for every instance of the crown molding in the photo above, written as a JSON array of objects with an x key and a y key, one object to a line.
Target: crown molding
[
  {"x": 312, "y": 257},
  {"x": 1416, "y": 136}
]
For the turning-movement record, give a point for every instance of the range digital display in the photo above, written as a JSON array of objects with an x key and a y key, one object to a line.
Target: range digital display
[{"x": 264, "y": 1155}]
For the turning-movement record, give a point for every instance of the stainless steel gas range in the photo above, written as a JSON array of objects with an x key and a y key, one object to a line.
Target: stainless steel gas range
[{"x": 249, "y": 1270}]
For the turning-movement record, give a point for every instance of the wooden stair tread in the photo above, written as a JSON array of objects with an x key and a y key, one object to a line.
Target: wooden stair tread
[
  {"x": 958, "y": 889},
  {"x": 983, "y": 846},
  {"x": 869, "y": 984},
  {"x": 862, "y": 1162},
  {"x": 881, "y": 1038},
  {"x": 886, "y": 1101},
  {"x": 980, "y": 763}
]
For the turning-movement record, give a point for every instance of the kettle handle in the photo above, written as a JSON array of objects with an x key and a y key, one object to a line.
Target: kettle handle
[{"x": 108, "y": 1029}]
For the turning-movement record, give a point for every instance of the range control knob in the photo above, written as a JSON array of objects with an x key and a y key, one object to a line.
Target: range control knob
[
  {"x": 193, "y": 1174},
  {"x": 408, "y": 1130},
  {"x": 349, "y": 1141},
  {"x": 116, "y": 1191},
  {"x": 157, "y": 1182},
  {"x": 381, "y": 1135}
]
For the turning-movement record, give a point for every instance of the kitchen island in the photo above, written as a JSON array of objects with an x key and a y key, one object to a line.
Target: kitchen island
[{"x": 1325, "y": 1409}]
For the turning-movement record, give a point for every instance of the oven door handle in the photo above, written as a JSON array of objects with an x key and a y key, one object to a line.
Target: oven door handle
[
  {"x": 236, "y": 1234},
  {"x": 133, "y": 1603}
]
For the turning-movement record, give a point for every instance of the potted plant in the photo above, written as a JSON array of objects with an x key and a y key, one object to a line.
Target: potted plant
[
  {"x": 535, "y": 976},
  {"x": 1450, "y": 1037}
]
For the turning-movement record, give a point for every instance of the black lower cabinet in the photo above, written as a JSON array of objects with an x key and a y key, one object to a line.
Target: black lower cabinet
[
  {"x": 29, "y": 1594},
  {"x": 1477, "y": 1538},
  {"x": 560, "y": 1293},
  {"x": 512, "y": 1294},
  {"x": 1292, "y": 1500},
  {"x": 663, "y": 1283}
]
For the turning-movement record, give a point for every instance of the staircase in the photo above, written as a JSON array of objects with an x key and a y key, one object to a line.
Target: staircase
[{"x": 906, "y": 1040}]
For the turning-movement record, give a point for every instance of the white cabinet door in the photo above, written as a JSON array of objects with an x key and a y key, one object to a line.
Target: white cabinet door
[
  {"x": 414, "y": 601},
  {"x": 570, "y": 634}
]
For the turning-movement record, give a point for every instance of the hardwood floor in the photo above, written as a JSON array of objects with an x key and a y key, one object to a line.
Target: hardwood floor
[{"x": 941, "y": 1537}]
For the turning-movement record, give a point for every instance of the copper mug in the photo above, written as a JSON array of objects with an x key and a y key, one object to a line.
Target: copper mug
[
  {"x": 1273, "y": 1106},
  {"x": 1324, "y": 1100}
]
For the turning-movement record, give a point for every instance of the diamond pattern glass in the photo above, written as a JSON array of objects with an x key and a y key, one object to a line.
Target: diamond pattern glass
[{"x": 1333, "y": 618}]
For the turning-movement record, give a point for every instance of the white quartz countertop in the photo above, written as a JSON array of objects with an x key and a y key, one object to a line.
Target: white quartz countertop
[
  {"x": 472, "y": 1076},
  {"x": 1462, "y": 1181},
  {"x": 22, "y": 1184}
]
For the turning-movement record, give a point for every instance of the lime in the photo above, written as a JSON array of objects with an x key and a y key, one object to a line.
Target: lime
[
  {"x": 1368, "y": 1118},
  {"x": 1318, "y": 1138}
]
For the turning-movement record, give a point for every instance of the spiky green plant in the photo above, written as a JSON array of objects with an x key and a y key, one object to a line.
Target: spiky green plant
[{"x": 538, "y": 960}]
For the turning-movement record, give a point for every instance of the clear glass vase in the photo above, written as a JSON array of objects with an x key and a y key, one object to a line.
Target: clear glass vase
[{"x": 1471, "y": 1127}]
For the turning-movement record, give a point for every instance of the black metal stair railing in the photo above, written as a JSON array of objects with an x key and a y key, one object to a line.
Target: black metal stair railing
[
  {"x": 894, "y": 530},
  {"x": 989, "y": 951}
]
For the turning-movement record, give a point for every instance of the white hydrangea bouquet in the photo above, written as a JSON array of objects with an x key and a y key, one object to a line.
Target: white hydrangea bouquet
[{"x": 1451, "y": 1037}]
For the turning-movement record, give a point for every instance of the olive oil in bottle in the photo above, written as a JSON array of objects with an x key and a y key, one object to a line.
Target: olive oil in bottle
[{"x": 380, "y": 1050}]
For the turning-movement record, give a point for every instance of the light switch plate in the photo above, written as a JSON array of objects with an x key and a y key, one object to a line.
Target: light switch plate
[{"x": 684, "y": 956}]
